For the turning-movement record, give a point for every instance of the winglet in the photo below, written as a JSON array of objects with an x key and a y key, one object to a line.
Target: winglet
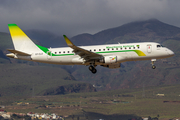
[{"x": 69, "y": 43}]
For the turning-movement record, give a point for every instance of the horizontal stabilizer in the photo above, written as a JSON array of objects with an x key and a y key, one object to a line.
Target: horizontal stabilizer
[{"x": 18, "y": 52}]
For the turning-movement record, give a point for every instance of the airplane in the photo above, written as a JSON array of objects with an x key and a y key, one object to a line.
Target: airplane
[{"x": 110, "y": 55}]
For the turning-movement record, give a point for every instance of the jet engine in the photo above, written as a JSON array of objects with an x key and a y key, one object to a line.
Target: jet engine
[{"x": 109, "y": 59}]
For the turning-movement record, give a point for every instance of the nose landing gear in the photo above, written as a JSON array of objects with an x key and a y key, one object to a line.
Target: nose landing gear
[
  {"x": 152, "y": 62},
  {"x": 92, "y": 69},
  {"x": 153, "y": 67}
]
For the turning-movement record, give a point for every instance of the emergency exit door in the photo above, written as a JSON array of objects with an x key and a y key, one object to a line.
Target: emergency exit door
[{"x": 149, "y": 48}]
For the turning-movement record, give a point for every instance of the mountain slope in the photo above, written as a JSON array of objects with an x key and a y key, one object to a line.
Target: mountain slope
[{"x": 150, "y": 30}]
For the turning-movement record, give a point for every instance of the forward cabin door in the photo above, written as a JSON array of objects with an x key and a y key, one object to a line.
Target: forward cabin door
[{"x": 149, "y": 48}]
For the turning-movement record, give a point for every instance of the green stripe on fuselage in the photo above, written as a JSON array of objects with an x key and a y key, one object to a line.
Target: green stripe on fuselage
[
  {"x": 45, "y": 50},
  {"x": 138, "y": 52}
]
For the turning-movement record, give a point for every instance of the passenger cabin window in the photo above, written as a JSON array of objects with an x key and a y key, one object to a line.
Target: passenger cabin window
[
  {"x": 68, "y": 51},
  {"x": 94, "y": 49},
  {"x": 112, "y": 48},
  {"x": 55, "y": 52},
  {"x": 107, "y": 49},
  {"x": 59, "y": 52},
  {"x": 99, "y": 49},
  {"x": 116, "y": 48},
  {"x": 103, "y": 49},
  {"x": 64, "y": 52}
]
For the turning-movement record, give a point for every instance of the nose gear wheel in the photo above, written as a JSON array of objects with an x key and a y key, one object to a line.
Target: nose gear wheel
[
  {"x": 153, "y": 67},
  {"x": 152, "y": 62}
]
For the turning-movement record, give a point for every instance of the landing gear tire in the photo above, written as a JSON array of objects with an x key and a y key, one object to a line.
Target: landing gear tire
[
  {"x": 91, "y": 68},
  {"x": 94, "y": 70},
  {"x": 153, "y": 67},
  {"x": 152, "y": 62}
]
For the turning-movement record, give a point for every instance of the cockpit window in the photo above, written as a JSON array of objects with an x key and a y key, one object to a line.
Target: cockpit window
[{"x": 158, "y": 46}]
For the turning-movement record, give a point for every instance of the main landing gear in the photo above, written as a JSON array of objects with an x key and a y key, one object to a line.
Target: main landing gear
[
  {"x": 92, "y": 69},
  {"x": 152, "y": 62}
]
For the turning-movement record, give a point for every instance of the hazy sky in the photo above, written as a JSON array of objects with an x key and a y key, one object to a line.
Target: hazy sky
[{"x": 72, "y": 17}]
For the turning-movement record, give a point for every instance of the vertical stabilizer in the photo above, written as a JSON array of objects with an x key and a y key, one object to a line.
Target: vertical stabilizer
[{"x": 21, "y": 41}]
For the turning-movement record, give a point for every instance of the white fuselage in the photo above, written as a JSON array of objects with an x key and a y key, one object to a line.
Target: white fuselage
[
  {"x": 111, "y": 55},
  {"x": 124, "y": 52}
]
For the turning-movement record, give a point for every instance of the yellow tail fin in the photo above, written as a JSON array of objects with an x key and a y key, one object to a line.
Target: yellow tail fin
[{"x": 21, "y": 41}]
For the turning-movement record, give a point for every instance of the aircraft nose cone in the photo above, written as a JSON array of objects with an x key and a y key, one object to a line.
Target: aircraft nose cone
[{"x": 171, "y": 53}]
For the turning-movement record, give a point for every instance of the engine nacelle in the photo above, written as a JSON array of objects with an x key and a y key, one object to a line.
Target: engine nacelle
[
  {"x": 109, "y": 59},
  {"x": 113, "y": 66}
]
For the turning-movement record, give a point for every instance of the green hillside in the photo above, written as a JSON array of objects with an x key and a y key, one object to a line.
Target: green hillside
[
  {"x": 115, "y": 104},
  {"x": 27, "y": 80}
]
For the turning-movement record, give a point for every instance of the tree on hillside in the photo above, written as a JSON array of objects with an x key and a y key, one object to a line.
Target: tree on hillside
[
  {"x": 149, "y": 118},
  {"x": 72, "y": 117},
  {"x": 155, "y": 118},
  {"x": 1, "y": 118},
  {"x": 140, "y": 118},
  {"x": 78, "y": 118},
  {"x": 27, "y": 117}
]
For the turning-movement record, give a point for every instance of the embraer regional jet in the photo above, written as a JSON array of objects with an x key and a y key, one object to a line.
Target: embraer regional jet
[{"x": 110, "y": 56}]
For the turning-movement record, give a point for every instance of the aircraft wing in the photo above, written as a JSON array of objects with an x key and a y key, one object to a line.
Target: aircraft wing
[{"x": 87, "y": 55}]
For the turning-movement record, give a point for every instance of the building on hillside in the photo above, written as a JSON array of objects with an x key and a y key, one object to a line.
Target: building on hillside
[
  {"x": 6, "y": 116},
  {"x": 160, "y": 95},
  {"x": 1, "y": 111},
  {"x": 2, "y": 106}
]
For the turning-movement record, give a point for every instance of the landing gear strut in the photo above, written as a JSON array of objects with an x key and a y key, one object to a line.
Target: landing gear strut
[
  {"x": 92, "y": 69},
  {"x": 152, "y": 62}
]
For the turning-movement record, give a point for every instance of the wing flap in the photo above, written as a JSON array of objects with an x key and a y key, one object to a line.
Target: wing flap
[{"x": 18, "y": 52}]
